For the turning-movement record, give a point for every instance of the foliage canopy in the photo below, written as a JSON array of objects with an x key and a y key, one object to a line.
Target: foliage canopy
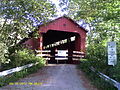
[{"x": 19, "y": 17}]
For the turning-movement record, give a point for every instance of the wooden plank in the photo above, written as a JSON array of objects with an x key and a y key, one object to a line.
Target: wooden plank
[
  {"x": 42, "y": 55},
  {"x": 74, "y": 55},
  {"x": 43, "y": 51},
  {"x": 61, "y": 58},
  {"x": 78, "y": 52},
  {"x": 75, "y": 59}
]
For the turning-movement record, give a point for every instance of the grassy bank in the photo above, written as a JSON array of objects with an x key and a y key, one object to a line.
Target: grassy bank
[{"x": 94, "y": 78}]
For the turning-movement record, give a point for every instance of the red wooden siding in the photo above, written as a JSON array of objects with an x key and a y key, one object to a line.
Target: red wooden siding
[
  {"x": 67, "y": 25},
  {"x": 60, "y": 24}
]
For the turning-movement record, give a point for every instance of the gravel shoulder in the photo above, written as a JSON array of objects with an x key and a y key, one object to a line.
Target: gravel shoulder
[{"x": 54, "y": 77}]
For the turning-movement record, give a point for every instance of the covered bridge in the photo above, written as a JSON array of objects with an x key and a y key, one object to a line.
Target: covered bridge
[{"x": 60, "y": 34}]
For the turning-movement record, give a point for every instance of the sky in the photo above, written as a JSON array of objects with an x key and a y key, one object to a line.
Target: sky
[{"x": 60, "y": 13}]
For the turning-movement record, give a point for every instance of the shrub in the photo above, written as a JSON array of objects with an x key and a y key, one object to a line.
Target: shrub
[
  {"x": 97, "y": 57},
  {"x": 3, "y": 50},
  {"x": 22, "y": 57}
]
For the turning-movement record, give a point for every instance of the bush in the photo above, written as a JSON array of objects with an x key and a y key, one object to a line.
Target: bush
[
  {"x": 97, "y": 57},
  {"x": 22, "y": 57},
  {"x": 3, "y": 50}
]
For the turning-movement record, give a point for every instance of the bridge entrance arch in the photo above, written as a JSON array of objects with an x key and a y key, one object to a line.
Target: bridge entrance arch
[
  {"x": 61, "y": 34},
  {"x": 58, "y": 41}
]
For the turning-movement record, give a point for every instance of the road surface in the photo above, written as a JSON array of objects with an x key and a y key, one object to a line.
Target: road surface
[{"x": 53, "y": 77}]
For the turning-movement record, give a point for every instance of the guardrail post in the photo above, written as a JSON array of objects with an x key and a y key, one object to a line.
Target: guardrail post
[{"x": 119, "y": 86}]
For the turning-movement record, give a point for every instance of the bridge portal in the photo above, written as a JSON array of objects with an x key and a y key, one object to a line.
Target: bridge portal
[{"x": 60, "y": 34}]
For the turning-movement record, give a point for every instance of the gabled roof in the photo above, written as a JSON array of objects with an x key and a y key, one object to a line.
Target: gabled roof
[
  {"x": 31, "y": 33},
  {"x": 67, "y": 18}
]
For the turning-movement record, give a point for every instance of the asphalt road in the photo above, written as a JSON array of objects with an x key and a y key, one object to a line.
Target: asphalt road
[{"x": 53, "y": 77}]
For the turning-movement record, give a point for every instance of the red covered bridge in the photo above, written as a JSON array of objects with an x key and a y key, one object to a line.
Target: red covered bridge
[{"x": 61, "y": 34}]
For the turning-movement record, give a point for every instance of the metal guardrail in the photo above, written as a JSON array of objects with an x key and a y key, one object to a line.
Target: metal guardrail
[
  {"x": 17, "y": 69},
  {"x": 106, "y": 78}
]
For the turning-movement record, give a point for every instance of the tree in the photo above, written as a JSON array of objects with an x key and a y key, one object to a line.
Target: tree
[
  {"x": 103, "y": 17},
  {"x": 21, "y": 17},
  {"x": 3, "y": 50}
]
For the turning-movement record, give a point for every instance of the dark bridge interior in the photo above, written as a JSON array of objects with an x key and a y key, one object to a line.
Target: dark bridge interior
[{"x": 54, "y": 36}]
